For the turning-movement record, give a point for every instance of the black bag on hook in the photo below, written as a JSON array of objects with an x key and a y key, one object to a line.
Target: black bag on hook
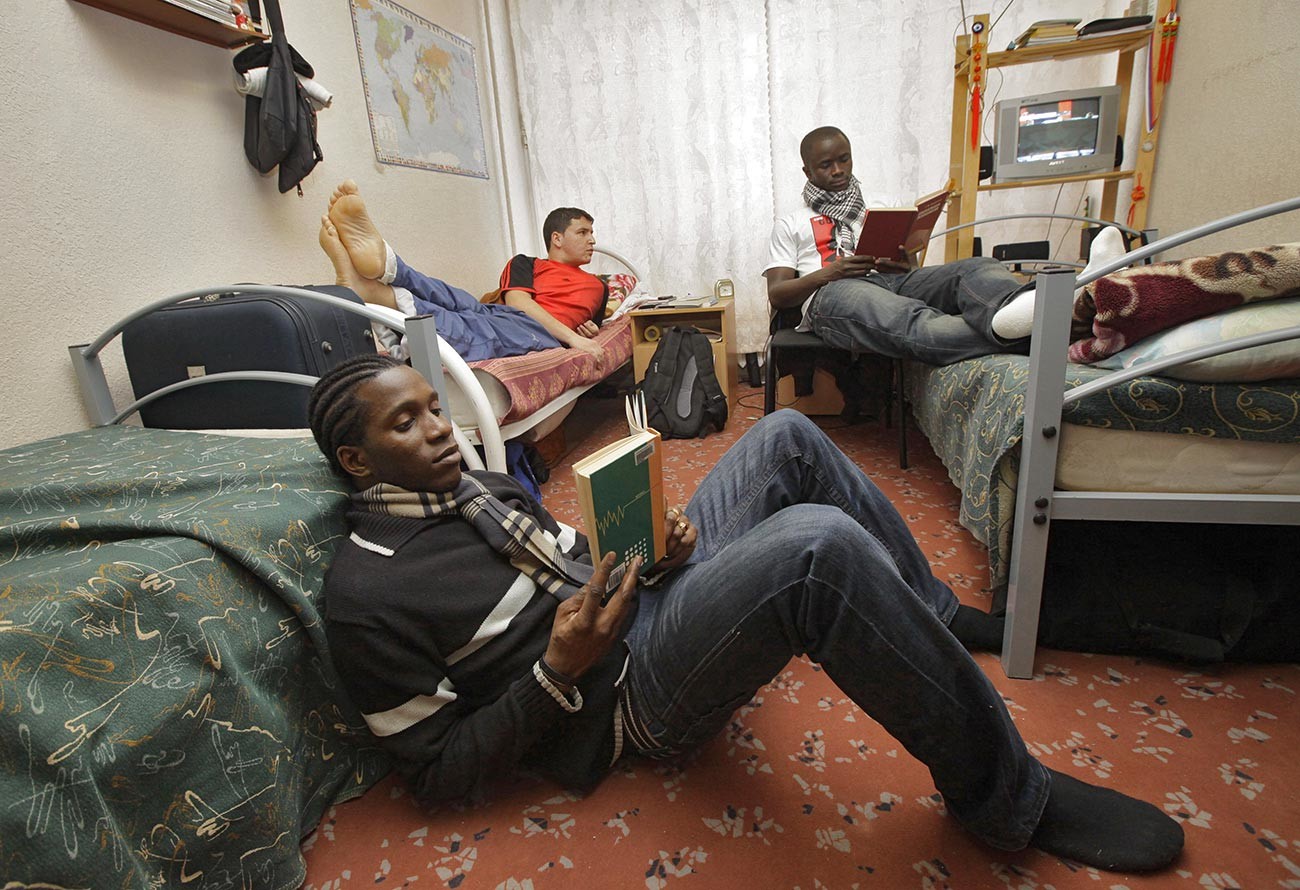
[{"x": 279, "y": 127}]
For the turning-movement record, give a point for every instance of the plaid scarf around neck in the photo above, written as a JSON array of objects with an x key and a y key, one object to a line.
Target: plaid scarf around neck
[
  {"x": 514, "y": 534},
  {"x": 844, "y": 208}
]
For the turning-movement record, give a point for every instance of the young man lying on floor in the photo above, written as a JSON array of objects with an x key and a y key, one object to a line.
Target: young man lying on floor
[
  {"x": 548, "y": 303},
  {"x": 469, "y": 626}
]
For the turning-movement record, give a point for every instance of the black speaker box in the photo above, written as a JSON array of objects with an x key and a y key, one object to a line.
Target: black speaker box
[{"x": 1022, "y": 250}]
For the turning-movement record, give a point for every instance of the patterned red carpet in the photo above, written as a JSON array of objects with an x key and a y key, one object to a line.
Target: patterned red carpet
[{"x": 805, "y": 792}]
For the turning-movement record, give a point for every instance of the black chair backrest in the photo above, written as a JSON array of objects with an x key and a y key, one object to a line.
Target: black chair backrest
[{"x": 784, "y": 318}]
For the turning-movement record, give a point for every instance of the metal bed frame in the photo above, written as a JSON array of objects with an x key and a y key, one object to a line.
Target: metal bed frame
[
  {"x": 431, "y": 355},
  {"x": 1037, "y": 499}
]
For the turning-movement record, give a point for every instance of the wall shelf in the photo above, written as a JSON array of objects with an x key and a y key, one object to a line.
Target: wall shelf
[
  {"x": 1108, "y": 176},
  {"x": 964, "y": 157},
  {"x": 179, "y": 20}
]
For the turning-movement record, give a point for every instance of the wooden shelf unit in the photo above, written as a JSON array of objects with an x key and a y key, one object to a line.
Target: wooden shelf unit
[
  {"x": 179, "y": 20},
  {"x": 964, "y": 158},
  {"x": 717, "y": 318}
]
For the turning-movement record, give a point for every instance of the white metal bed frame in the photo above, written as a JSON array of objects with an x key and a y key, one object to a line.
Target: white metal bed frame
[{"x": 431, "y": 355}]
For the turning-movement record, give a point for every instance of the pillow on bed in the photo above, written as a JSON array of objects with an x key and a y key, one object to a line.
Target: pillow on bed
[{"x": 1270, "y": 362}]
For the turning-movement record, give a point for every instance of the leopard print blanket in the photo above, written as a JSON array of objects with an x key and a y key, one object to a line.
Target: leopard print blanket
[{"x": 1116, "y": 311}]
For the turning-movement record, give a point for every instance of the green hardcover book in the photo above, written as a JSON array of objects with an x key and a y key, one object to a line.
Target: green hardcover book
[{"x": 621, "y": 493}]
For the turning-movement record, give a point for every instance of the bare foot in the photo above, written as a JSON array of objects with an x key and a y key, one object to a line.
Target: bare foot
[
  {"x": 346, "y": 187},
  {"x": 358, "y": 232},
  {"x": 346, "y": 274}
]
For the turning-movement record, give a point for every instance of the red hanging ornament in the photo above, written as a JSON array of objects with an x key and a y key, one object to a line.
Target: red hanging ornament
[
  {"x": 1168, "y": 37},
  {"x": 976, "y": 79},
  {"x": 1139, "y": 195}
]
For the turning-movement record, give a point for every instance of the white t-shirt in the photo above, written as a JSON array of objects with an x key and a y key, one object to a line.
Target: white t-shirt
[{"x": 804, "y": 241}]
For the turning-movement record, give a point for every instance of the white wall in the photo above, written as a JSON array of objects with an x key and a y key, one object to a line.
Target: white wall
[
  {"x": 125, "y": 181},
  {"x": 1230, "y": 128}
]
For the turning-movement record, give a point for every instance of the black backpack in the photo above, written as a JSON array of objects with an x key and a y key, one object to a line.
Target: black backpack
[{"x": 682, "y": 395}]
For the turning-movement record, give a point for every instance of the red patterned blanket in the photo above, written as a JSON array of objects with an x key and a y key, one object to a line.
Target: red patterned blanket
[
  {"x": 1116, "y": 311},
  {"x": 535, "y": 378}
]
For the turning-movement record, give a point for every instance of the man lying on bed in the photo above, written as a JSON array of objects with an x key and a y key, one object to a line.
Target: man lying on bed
[
  {"x": 548, "y": 303},
  {"x": 469, "y": 627}
]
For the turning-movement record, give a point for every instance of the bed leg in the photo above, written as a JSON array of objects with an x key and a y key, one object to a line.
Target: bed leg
[{"x": 1037, "y": 482}]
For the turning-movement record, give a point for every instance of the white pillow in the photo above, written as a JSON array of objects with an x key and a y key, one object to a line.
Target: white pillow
[{"x": 1269, "y": 362}]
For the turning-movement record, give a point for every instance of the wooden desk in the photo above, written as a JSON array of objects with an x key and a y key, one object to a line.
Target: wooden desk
[{"x": 717, "y": 319}]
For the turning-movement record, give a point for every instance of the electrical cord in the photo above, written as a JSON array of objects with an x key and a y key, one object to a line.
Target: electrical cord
[
  {"x": 1077, "y": 205},
  {"x": 1048, "y": 236},
  {"x": 1010, "y": 3}
]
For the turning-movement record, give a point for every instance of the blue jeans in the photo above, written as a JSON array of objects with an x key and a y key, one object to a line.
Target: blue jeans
[
  {"x": 938, "y": 314},
  {"x": 798, "y": 552},
  {"x": 475, "y": 330}
]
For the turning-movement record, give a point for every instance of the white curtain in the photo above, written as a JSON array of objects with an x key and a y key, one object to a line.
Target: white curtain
[{"x": 676, "y": 123}]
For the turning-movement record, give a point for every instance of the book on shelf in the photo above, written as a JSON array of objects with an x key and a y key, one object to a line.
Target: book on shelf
[
  {"x": 886, "y": 229},
  {"x": 1115, "y": 26},
  {"x": 218, "y": 12},
  {"x": 1047, "y": 41},
  {"x": 621, "y": 492},
  {"x": 1047, "y": 31}
]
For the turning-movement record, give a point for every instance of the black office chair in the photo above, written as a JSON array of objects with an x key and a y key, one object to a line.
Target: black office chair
[{"x": 784, "y": 338}]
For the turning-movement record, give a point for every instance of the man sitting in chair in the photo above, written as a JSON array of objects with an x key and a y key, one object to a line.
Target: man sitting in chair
[
  {"x": 938, "y": 314},
  {"x": 477, "y": 637},
  {"x": 555, "y": 312}
]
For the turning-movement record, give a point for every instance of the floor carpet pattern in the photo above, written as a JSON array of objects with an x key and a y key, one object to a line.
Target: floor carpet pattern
[{"x": 804, "y": 791}]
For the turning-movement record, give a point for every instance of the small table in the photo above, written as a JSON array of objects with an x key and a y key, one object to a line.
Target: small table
[{"x": 716, "y": 320}]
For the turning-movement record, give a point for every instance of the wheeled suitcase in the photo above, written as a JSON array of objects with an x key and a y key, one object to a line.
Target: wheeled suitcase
[{"x": 243, "y": 332}]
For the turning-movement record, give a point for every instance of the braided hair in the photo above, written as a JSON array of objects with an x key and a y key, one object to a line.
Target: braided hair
[{"x": 335, "y": 414}]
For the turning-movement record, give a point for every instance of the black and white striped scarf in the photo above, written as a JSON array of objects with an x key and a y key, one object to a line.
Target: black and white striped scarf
[
  {"x": 514, "y": 534},
  {"x": 844, "y": 208}
]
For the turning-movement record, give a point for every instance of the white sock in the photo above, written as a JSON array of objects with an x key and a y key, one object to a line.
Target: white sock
[
  {"x": 390, "y": 267},
  {"x": 1016, "y": 318}
]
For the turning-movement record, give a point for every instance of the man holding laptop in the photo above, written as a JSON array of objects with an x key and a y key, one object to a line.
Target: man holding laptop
[{"x": 885, "y": 305}]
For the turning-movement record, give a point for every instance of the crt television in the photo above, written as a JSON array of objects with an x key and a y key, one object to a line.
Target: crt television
[{"x": 1056, "y": 134}]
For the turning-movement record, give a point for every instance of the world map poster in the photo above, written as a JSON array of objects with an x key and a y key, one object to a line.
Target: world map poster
[{"x": 421, "y": 91}]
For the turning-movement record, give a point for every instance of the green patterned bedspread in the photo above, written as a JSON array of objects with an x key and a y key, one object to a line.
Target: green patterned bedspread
[
  {"x": 973, "y": 414},
  {"x": 171, "y": 716}
]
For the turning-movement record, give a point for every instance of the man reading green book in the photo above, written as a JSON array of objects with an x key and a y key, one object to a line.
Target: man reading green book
[{"x": 469, "y": 627}]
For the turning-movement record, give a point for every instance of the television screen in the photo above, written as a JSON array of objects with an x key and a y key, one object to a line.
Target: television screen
[
  {"x": 1064, "y": 129},
  {"x": 1064, "y": 133}
]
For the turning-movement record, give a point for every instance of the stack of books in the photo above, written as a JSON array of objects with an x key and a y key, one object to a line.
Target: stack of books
[
  {"x": 1047, "y": 31},
  {"x": 217, "y": 10}
]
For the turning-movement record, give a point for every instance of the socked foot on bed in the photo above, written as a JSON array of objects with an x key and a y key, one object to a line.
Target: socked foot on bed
[
  {"x": 345, "y": 272},
  {"x": 1016, "y": 318},
  {"x": 357, "y": 230}
]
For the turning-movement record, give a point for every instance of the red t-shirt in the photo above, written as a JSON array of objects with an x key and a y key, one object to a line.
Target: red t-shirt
[{"x": 567, "y": 292}]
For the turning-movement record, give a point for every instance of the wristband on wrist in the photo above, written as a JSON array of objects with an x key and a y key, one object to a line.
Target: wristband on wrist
[
  {"x": 555, "y": 676},
  {"x": 571, "y": 700}
]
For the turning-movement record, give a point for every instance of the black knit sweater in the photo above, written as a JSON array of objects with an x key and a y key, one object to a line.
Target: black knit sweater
[{"x": 435, "y": 635}]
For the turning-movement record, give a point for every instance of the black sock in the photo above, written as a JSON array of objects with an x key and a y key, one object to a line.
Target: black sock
[
  {"x": 1105, "y": 829},
  {"x": 977, "y": 631}
]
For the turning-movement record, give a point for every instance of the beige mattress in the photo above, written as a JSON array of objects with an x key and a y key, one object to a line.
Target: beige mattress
[{"x": 1092, "y": 459}]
